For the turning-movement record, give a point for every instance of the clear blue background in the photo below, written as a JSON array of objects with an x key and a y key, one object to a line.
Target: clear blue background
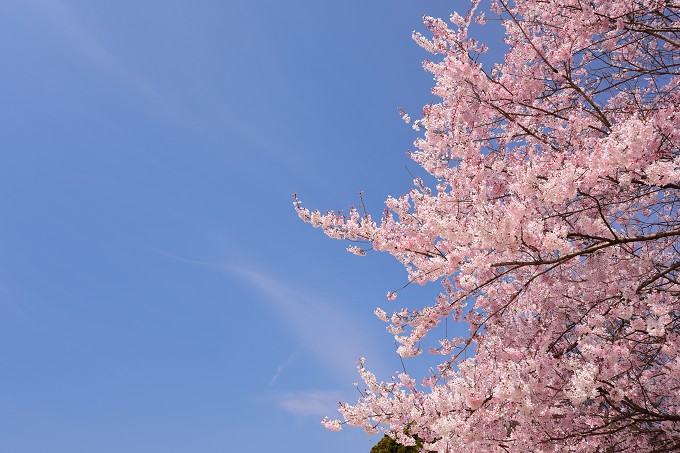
[{"x": 157, "y": 291}]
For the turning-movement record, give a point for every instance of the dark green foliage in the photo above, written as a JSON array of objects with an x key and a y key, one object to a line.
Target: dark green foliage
[{"x": 389, "y": 445}]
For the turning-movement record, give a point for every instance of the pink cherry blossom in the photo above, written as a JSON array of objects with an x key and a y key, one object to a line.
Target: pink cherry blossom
[{"x": 551, "y": 222}]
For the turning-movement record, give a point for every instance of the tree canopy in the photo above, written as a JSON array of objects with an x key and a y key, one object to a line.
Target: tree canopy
[
  {"x": 550, "y": 220},
  {"x": 389, "y": 445}
]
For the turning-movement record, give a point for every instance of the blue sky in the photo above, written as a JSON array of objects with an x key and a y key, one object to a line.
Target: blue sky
[{"x": 157, "y": 290}]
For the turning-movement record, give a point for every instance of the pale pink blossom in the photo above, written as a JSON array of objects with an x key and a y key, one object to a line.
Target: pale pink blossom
[{"x": 550, "y": 220}]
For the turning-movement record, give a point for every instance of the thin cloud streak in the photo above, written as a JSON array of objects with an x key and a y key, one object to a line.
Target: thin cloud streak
[
  {"x": 98, "y": 54},
  {"x": 285, "y": 364},
  {"x": 308, "y": 403},
  {"x": 332, "y": 336},
  {"x": 68, "y": 24},
  {"x": 206, "y": 129}
]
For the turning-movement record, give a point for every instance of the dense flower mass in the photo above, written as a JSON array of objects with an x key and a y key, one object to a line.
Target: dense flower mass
[{"x": 552, "y": 224}]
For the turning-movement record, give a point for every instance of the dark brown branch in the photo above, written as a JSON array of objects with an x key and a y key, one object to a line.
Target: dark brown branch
[{"x": 591, "y": 249}]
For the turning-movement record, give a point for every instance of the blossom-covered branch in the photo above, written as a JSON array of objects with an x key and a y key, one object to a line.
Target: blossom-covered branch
[{"x": 552, "y": 224}]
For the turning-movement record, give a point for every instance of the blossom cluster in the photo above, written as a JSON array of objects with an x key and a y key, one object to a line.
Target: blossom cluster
[{"x": 552, "y": 224}]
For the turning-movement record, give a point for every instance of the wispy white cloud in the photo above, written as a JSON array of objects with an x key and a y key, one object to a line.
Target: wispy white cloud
[
  {"x": 87, "y": 43},
  {"x": 334, "y": 337},
  {"x": 285, "y": 364},
  {"x": 306, "y": 403},
  {"x": 63, "y": 17}
]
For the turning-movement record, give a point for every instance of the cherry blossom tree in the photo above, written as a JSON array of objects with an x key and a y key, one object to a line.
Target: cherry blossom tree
[{"x": 551, "y": 221}]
